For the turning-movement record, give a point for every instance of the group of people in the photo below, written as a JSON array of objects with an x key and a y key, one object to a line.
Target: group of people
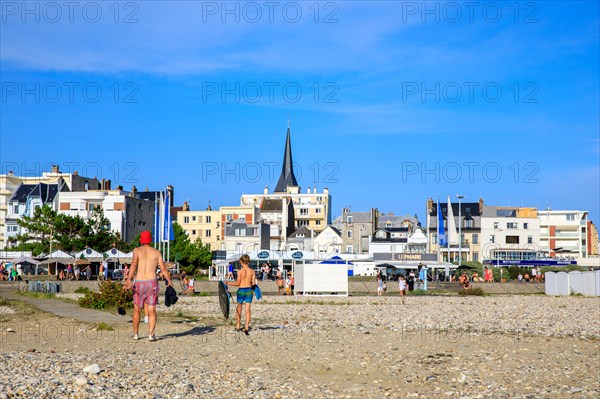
[
  {"x": 187, "y": 284},
  {"x": 8, "y": 273},
  {"x": 536, "y": 276}
]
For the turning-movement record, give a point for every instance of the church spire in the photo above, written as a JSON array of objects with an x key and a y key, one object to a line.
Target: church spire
[{"x": 287, "y": 178}]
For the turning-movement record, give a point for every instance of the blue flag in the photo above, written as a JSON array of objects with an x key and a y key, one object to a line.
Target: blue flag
[
  {"x": 168, "y": 225},
  {"x": 155, "y": 239},
  {"x": 441, "y": 230}
]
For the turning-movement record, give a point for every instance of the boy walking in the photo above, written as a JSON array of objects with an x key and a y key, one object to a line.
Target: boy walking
[{"x": 245, "y": 280}]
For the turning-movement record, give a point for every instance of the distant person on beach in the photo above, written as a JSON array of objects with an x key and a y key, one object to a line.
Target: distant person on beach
[
  {"x": 526, "y": 276},
  {"x": 145, "y": 287},
  {"x": 279, "y": 282},
  {"x": 520, "y": 277},
  {"x": 379, "y": 286},
  {"x": 230, "y": 272},
  {"x": 245, "y": 280},
  {"x": 464, "y": 281},
  {"x": 402, "y": 287},
  {"x": 411, "y": 280}
]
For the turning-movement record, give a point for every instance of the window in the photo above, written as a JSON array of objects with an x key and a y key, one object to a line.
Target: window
[
  {"x": 349, "y": 233},
  {"x": 570, "y": 217},
  {"x": 349, "y": 219},
  {"x": 434, "y": 238},
  {"x": 229, "y": 218},
  {"x": 318, "y": 222},
  {"x": 186, "y": 219},
  {"x": 525, "y": 226},
  {"x": 512, "y": 239},
  {"x": 193, "y": 218},
  {"x": 468, "y": 223},
  {"x": 475, "y": 257},
  {"x": 303, "y": 212},
  {"x": 208, "y": 219},
  {"x": 318, "y": 210},
  {"x": 86, "y": 185},
  {"x": 302, "y": 223},
  {"x": 492, "y": 238},
  {"x": 16, "y": 209},
  {"x": 462, "y": 239},
  {"x": 207, "y": 233},
  {"x": 468, "y": 210},
  {"x": 511, "y": 225},
  {"x": 193, "y": 232},
  {"x": 349, "y": 249},
  {"x": 529, "y": 239},
  {"x": 475, "y": 238},
  {"x": 495, "y": 225}
]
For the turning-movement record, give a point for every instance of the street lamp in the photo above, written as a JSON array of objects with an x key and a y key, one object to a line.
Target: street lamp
[{"x": 459, "y": 230}]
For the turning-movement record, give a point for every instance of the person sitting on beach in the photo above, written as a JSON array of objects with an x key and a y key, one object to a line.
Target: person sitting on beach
[
  {"x": 526, "y": 277},
  {"x": 464, "y": 281},
  {"x": 475, "y": 276}
]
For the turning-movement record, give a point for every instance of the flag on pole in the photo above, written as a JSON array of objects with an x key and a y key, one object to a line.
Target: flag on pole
[
  {"x": 452, "y": 234},
  {"x": 168, "y": 234},
  {"x": 441, "y": 230},
  {"x": 156, "y": 220}
]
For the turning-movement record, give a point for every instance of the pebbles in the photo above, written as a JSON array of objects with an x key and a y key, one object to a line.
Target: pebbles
[
  {"x": 6, "y": 310},
  {"x": 362, "y": 347}
]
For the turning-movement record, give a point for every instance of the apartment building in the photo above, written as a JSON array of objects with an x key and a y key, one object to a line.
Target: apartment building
[{"x": 564, "y": 233}]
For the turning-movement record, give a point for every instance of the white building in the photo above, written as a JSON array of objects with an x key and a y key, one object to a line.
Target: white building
[
  {"x": 398, "y": 240},
  {"x": 328, "y": 243},
  {"x": 563, "y": 233},
  {"x": 509, "y": 233},
  {"x": 242, "y": 238},
  {"x": 25, "y": 200},
  {"x": 128, "y": 214}
]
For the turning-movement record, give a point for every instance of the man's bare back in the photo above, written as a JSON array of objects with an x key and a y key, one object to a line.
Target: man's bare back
[{"x": 146, "y": 259}]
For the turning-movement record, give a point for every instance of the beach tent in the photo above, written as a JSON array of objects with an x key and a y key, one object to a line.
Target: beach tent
[
  {"x": 90, "y": 254},
  {"x": 55, "y": 258},
  {"x": 336, "y": 260}
]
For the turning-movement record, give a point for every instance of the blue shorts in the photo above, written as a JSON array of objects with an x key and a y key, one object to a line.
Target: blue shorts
[{"x": 245, "y": 295}]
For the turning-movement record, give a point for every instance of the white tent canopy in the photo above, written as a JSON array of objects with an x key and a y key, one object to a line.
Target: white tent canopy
[
  {"x": 115, "y": 253},
  {"x": 90, "y": 254},
  {"x": 59, "y": 254}
]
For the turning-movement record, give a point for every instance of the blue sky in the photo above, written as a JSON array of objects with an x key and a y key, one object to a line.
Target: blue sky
[{"x": 500, "y": 101}]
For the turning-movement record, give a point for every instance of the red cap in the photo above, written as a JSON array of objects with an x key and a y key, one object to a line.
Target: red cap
[{"x": 145, "y": 237}]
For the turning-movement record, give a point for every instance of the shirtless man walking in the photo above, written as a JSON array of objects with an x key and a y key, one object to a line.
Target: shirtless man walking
[
  {"x": 145, "y": 286},
  {"x": 246, "y": 279}
]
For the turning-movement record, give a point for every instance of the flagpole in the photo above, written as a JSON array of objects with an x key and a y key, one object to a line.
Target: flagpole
[
  {"x": 448, "y": 229},
  {"x": 438, "y": 232}
]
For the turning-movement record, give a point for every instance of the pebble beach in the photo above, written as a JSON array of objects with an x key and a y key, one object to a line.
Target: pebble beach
[{"x": 527, "y": 346}]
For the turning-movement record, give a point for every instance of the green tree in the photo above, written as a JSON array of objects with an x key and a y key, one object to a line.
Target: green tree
[{"x": 191, "y": 256}]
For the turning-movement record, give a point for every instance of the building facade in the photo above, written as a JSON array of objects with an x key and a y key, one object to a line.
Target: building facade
[
  {"x": 592, "y": 239},
  {"x": 205, "y": 225},
  {"x": 470, "y": 222},
  {"x": 564, "y": 233},
  {"x": 509, "y": 233}
]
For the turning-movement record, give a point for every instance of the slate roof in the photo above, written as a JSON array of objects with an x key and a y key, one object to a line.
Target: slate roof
[
  {"x": 46, "y": 192},
  {"x": 287, "y": 178},
  {"x": 271, "y": 205}
]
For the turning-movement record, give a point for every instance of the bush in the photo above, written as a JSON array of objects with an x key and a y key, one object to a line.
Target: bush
[
  {"x": 111, "y": 295},
  {"x": 83, "y": 290},
  {"x": 472, "y": 291}
]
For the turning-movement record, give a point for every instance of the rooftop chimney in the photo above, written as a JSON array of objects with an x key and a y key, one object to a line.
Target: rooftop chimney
[
  {"x": 266, "y": 190},
  {"x": 133, "y": 191},
  {"x": 55, "y": 169},
  {"x": 307, "y": 190},
  {"x": 75, "y": 173},
  {"x": 186, "y": 206},
  {"x": 314, "y": 190},
  {"x": 480, "y": 205}
]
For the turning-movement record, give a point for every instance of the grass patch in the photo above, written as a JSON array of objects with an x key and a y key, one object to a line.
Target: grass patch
[
  {"x": 103, "y": 327},
  {"x": 472, "y": 291},
  {"x": 36, "y": 294},
  {"x": 83, "y": 290},
  {"x": 4, "y": 302}
]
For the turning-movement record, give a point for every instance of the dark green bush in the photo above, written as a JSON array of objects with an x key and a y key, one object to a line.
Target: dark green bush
[{"x": 111, "y": 295}]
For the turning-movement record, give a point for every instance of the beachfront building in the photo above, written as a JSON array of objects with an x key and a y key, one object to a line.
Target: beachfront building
[
  {"x": 127, "y": 213},
  {"x": 205, "y": 225},
  {"x": 357, "y": 229},
  {"x": 564, "y": 233},
  {"x": 302, "y": 239},
  {"x": 311, "y": 208},
  {"x": 242, "y": 237},
  {"x": 470, "y": 222},
  {"x": 403, "y": 240},
  {"x": 328, "y": 243},
  {"x": 10, "y": 182},
  {"x": 509, "y": 233},
  {"x": 25, "y": 200}
]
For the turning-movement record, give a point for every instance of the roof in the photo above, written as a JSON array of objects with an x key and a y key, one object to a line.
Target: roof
[
  {"x": 271, "y": 204},
  {"x": 301, "y": 231},
  {"x": 148, "y": 195},
  {"x": 287, "y": 178},
  {"x": 46, "y": 192},
  {"x": 466, "y": 208}
]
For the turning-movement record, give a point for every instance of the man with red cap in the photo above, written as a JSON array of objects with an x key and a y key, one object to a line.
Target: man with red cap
[{"x": 145, "y": 286}]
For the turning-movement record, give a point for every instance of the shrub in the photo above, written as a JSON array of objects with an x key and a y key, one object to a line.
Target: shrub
[
  {"x": 83, "y": 290},
  {"x": 111, "y": 295},
  {"x": 472, "y": 291}
]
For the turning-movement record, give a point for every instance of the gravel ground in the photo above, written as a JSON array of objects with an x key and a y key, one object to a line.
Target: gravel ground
[{"x": 362, "y": 347}]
